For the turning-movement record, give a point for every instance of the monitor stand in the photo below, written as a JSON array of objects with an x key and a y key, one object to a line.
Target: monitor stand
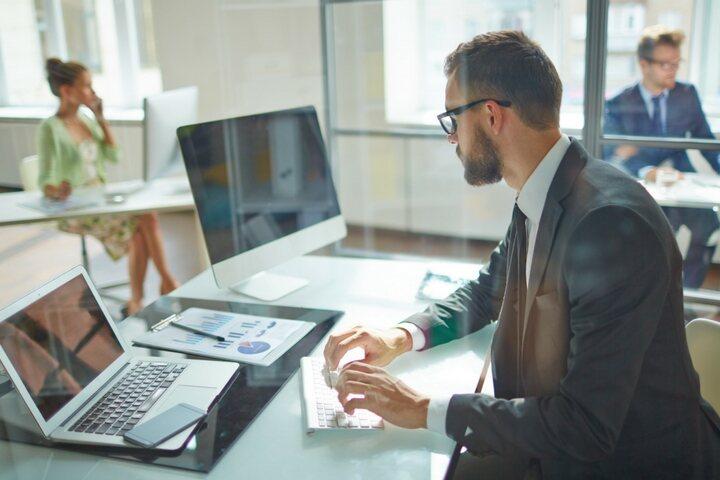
[{"x": 268, "y": 286}]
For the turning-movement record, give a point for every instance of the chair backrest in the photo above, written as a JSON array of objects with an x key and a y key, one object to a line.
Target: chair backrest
[
  {"x": 29, "y": 172},
  {"x": 703, "y": 337}
]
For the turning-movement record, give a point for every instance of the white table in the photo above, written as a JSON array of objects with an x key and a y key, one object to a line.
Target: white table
[
  {"x": 693, "y": 191},
  {"x": 161, "y": 195},
  {"x": 373, "y": 292}
]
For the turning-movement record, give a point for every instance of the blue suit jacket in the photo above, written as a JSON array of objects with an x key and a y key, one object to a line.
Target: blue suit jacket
[{"x": 626, "y": 114}]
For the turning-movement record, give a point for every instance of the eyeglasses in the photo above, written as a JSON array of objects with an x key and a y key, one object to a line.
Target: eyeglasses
[
  {"x": 448, "y": 120},
  {"x": 665, "y": 65}
]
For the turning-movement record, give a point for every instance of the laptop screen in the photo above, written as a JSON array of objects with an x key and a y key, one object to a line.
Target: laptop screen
[{"x": 59, "y": 344}]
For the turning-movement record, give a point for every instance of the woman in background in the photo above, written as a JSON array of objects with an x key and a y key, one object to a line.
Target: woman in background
[{"x": 73, "y": 149}]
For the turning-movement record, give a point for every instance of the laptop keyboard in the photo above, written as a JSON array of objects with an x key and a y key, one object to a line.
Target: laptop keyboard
[{"x": 129, "y": 400}]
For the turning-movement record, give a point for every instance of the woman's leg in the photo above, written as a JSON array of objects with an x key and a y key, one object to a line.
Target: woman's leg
[
  {"x": 150, "y": 228},
  {"x": 137, "y": 267}
]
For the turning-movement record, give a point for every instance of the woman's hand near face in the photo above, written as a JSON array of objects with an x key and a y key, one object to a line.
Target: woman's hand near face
[
  {"x": 96, "y": 106},
  {"x": 60, "y": 192},
  {"x": 65, "y": 189}
]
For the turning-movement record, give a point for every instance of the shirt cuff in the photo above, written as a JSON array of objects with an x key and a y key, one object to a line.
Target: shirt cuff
[
  {"x": 643, "y": 171},
  {"x": 437, "y": 414},
  {"x": 418, "y": 337}
]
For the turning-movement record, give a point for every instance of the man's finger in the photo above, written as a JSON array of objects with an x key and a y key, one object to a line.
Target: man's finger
[
  {"x": 352, "y": 387},
  {"x": 360, "y": 366},
  {"x": 332, "y": 344},
  {"x": 354, "y": 376},
  {"x": 359, "y": 339},
  {"x": 358, "y": 402}
]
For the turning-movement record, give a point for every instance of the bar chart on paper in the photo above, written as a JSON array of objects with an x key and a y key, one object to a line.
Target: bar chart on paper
[
  {"x": 243, "y": 338},
  {"x": 189, "y": 339}
]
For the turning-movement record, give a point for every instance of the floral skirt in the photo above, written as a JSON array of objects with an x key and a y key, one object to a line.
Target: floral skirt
[{"x": 113, "y": 231}]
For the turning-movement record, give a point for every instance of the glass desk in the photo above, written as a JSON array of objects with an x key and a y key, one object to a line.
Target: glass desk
[{"x": 245, "y": 397}]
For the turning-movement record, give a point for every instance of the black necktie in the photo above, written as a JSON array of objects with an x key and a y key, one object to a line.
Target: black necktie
[
  {"x": 656, "y": 120},
  {"x": 520, "y": 257}
]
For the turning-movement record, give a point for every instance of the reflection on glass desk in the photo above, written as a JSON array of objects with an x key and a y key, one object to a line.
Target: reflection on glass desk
[{"x": 243, "y": 400}]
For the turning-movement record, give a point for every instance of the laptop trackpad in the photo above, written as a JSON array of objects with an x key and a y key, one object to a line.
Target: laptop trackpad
[{"x": 199, "y": 397}]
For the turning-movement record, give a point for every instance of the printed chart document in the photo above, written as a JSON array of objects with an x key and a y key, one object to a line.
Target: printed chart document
[{"x": 247, "y": 338}]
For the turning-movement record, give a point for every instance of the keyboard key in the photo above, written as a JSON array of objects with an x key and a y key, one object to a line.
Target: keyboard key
[
  {"x": 121, "y": 404},
  {"x": 151, "y": 401},
  {"x": 327, "y": 408},
  {"x": 102, "y": 429}
]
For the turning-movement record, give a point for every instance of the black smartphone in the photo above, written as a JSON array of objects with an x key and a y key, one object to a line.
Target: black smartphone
[{"x": 153, "y": 432}]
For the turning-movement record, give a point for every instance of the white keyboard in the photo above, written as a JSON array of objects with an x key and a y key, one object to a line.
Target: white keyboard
[{"x": 323, "y": 410}]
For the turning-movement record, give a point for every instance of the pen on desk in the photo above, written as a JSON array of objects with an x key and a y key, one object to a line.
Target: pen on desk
[
  {"x": 172, "y": 319},
  {"x": 164, "y": 322},
  {"x": 198, "y": 331}
]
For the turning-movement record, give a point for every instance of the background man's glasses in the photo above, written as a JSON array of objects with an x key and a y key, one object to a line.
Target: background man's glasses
[
  {"x": 664, "y": 65},
  {"x": 448, "y": 121}
]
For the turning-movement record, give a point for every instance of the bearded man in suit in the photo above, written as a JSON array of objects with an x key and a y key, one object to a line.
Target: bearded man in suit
[{"x": 590, "y": 366}]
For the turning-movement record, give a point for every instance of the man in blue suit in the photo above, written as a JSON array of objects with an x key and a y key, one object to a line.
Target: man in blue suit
[{"x": 660, "y": 106}]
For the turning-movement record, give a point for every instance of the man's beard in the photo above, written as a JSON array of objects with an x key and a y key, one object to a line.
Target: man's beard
[{"x": 482, "y": 164}]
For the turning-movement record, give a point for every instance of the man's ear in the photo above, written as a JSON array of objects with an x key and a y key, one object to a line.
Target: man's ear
[{"x": 496, "y": 117}]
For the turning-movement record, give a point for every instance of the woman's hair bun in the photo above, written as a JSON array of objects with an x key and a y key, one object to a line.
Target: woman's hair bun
[
  {"x": 62, "y": 73},
  {"x": 53, "y": 64}
]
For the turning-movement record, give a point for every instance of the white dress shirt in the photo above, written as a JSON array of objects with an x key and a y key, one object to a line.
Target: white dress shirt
[
  {"x": 531, "y": 201},
  {"x": 647, "y": 98}
]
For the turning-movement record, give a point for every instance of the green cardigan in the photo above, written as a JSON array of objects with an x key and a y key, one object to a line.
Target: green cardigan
[{"x": 59, "y": 155}]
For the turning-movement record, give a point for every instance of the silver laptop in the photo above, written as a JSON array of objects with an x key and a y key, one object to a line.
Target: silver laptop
[{"x": 77, "y": 375}]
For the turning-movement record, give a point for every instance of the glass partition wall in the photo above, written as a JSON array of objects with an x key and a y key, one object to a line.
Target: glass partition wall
[
  {"x": 400, "y": 182},
  {"x": 401, "y": 185}
]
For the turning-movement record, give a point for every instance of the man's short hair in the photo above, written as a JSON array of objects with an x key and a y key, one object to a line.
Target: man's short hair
[
  {"x": 656, "y": 35},
  {"x": 507, "y": 65}
]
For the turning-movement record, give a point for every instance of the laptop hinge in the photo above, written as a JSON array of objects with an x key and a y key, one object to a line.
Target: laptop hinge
[{"x": 95, "y": 395}]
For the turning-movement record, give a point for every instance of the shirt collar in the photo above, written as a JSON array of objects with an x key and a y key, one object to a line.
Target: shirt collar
[
  {"x": 647, "y": 96},
  {"x": 531, "y": 198}
]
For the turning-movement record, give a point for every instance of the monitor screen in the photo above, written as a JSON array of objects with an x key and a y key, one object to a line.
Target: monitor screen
[
  {"x": 257, "y": 179},
  {"x": 59, "y": 344}
]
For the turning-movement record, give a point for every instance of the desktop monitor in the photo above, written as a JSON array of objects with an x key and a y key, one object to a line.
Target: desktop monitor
[
  {"x": 264, "y": 194},
  {"x": 164, "y": 113}
]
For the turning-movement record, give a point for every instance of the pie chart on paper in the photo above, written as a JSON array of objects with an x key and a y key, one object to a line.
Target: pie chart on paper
[{"x": 253, "y": 348}]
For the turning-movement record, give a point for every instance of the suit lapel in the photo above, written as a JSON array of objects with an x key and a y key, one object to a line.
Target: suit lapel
[
  {"x": 675, "y": 111},
  {"x": 572, "y": 163},
  {"x": 543, "y": 244},
  {"x": 640, "y": 116}
]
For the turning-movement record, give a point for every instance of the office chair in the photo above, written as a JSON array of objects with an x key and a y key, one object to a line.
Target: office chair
[
  {"x": 703, "y": 337},
  {"x": 29, "y": 173}
]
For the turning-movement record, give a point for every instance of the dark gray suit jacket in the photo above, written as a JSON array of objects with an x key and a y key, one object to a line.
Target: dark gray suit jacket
[{"x": 606, "y": 385}]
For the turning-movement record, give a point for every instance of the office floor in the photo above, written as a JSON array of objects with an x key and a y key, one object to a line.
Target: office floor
[{"x": 32, "y": 254}]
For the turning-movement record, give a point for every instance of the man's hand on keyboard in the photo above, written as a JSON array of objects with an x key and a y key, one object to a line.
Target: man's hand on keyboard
[
  {"x": 381, "y": 346},
  {"x": 383, "y": 395}
]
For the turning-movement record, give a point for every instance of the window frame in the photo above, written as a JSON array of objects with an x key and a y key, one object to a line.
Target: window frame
[
  {"x": 594, "y": 138},
  {"x": 126, "y": 32},
  {"x": 591, "y": 136}
]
